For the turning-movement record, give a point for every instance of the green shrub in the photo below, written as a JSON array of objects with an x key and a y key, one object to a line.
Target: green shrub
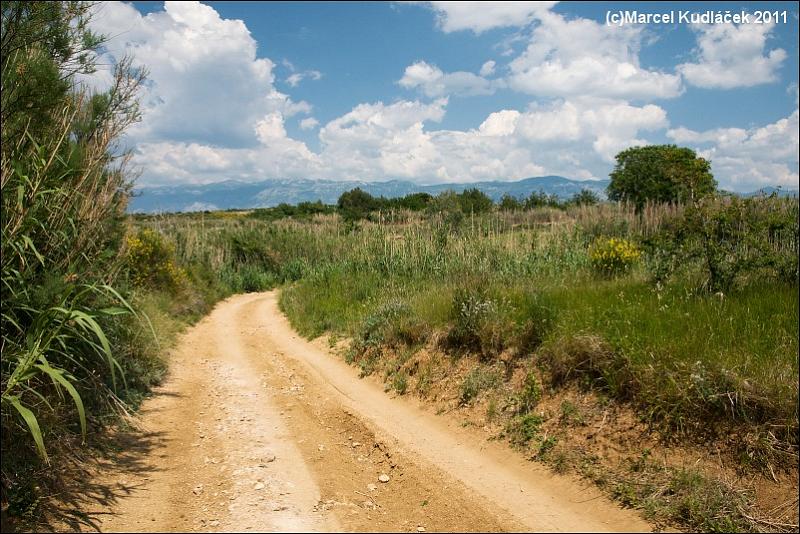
[
  {"x": 400, "y": 382},
  {"x": 521, "y": 430},
  {"x": 479, "y": 379},
  {"x": 475, "y": 201},
  {"x": 539, "y": 320},
  {"x": 730, "y": 240},
  {"x": 477, "y": 324}
]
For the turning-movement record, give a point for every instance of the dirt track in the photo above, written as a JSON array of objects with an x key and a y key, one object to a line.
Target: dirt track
[{"x": 257, "y": 429}]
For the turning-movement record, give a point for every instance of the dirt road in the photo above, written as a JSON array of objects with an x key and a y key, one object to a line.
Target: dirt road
[{"x": 257, "y": 429}]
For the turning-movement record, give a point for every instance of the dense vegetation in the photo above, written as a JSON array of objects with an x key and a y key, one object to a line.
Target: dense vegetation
[{"x": 77, "y": 350}]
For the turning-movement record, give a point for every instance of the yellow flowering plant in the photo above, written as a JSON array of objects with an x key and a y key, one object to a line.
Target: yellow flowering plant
[
  {"x": 610, "y": 256},
  {"x": 151, "y": 261}
]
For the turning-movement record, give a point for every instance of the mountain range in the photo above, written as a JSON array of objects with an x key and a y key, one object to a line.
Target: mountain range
[{"x": 242, "y": 195}]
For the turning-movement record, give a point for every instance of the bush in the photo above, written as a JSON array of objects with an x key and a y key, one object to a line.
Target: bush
[
  {"x": 523, "y": 429},
  {"x": 730, "y": 239},
  {"x": 660, "y": 173},
  {"x": 475, "y": 201},
  {"x": 151, "y": 262},
  {"x": 510, "y": 203},
  {"x": 376, "y": 328},
  {"x": 479, "y": 324},
  {"x": 356, "y": 204},
  {"x": 586, "y": 197},
  {"x": 613, "y": 256}
]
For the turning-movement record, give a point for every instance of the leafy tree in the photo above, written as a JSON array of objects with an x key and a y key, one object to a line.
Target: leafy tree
[
  {"x": 414, "y": 201},
  {"x": 356, "y": 204},
  {"x": 586, "y": 197},
  {"x": 510, "y": 203},
  {"x": 475, "y": 201},
  {"x": 660, "y": 173},
  {"x": 541, "y": 199}
]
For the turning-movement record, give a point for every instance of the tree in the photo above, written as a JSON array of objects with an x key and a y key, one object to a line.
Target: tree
[
  {"x": 660, "y": 173},
  {"x": 475, "y": 201},
  {"x": 356, "y": 204},
  {"x": 586, "y": 197},
  {"x": 414, "y": 201},
  {"x": 510, "y": 203},
  {"x": 541, "y": 199}
]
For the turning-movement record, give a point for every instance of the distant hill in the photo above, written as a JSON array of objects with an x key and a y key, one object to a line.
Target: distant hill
[{"x": 241, "y": 195}]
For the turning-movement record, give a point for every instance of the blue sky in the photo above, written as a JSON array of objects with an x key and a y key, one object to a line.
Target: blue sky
[{"x": 459, "y": 92}]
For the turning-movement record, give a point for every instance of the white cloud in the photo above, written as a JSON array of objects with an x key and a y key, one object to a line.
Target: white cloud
[
  {"x": 487, "y": 69},
  {"x": 569, "y": 138},
  {"x": 380, "y": 141},
  {"x": 206, "y": 83},
  {"x": 434, "y": 83},
  {"x": 582, "y": 57},
  {"x": 749, "y": 159},
  {"x": 309, "y": 123},
  {"x": 483, "y": 16},
  {"x": 270, "y": 128},
  {"x": 500, "y": 123},
  {"x": 297, "y": 77},
  {"x": 375, "y": 141},
  {"x": 733, "y": 56}
]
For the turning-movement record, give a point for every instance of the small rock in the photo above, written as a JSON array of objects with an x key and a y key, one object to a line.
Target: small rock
[
  {"x": 258, "y": 486},
  {"x": 420, "y": 529},
  {"x": 197, "y": 490},
  {"x": 356, "y": 444},
  {"x": 383, "y": 478},
  {"x": 213, "y": 523},
  {"x": 372, "y": 487},
  {"x": 279, "y": 508}
]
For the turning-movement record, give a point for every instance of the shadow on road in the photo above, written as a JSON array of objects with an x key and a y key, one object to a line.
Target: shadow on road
[{"x": 91, "y": 481}]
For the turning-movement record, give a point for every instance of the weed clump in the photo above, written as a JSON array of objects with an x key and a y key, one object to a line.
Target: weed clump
[
  {"x": 530, "y": 395},
  {"x": 539, "y": 322},
  {"x": 521, "y": 430},
  {"x": 479, "y": 379},
  {"x": 478, "y": 324}
]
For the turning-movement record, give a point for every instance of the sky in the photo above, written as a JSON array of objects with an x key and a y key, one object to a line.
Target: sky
[{"x": 435, "y": 92}]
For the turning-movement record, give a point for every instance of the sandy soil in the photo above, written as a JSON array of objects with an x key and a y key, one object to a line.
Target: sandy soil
[{"x": 257, "y": 429}]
